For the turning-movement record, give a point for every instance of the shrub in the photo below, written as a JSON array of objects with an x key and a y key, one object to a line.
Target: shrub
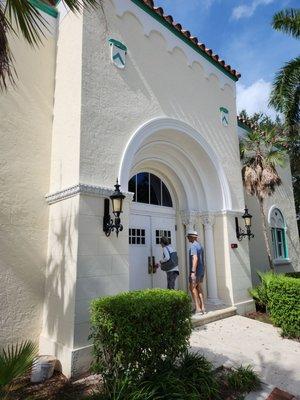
[
  {"x": 295, "y": 274},
  {"x": 15, "y": 361},
  {"x": 191, "y": 378},
  {"x": 260, "y": 292},
  {"x": 124, "y": 389},
  {"x": 134, "y": 333},
  {"x": 197, "y": 370},
  {"x": 243, "y": 379},
  {"x": 284, "y": 304},
  {"x": 281, "y": 295}
]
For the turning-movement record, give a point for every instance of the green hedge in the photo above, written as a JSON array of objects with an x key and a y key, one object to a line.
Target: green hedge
[
  {"x": 284, "y": 304},
  {"x": 281, "y": 295},
  {"x": 295, "y": 274},
  {"x": 134, "y": 332}
]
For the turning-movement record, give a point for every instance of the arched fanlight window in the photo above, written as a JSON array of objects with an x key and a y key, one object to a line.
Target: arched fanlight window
[
  {"x": 278, "y": 232},
  {"x": 149, "y": 189}
]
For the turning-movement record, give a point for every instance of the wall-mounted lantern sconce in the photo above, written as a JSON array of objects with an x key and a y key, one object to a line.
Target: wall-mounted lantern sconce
[
  {"x": 241, "y": 233},
  {"x": 117, "y": 207}
]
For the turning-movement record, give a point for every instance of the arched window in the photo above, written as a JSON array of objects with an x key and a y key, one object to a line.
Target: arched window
[
  {"x": 149, "y": 189},
  {"x": 278, "y": 232}
]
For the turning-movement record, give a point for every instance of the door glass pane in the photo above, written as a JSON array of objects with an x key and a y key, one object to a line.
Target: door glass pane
[
  {"x": 166, "y": 198},
  {"x": 137, "y": 236},
  {"x": 274, "y": 242},
  {"x": 132, "y": 186},
  {"x": 155, "y": 190},
  {"x": 143, "y": 187},
  {"x": 279, "y": 235}
]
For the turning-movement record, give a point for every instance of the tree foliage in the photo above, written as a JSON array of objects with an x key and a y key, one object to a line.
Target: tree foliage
[
  {"x": 285, "y": 96},
  {"x": 262, "y": 149}
]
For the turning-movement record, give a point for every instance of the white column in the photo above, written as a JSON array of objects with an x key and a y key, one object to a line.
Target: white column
[{"x": 208, "y": 222}]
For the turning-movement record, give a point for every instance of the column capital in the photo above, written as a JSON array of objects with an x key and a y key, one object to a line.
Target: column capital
[
  {"x": 207, "y": 219},
  {"x": 189, "y": 218}
]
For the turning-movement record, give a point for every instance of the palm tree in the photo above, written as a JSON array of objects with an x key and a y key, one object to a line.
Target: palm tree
[
  {"x": 262, "y": 150},
  {"x": 285, "y": 96},
  {"x": 15, "y": 361},
  {"x": 20, "y": 17}
]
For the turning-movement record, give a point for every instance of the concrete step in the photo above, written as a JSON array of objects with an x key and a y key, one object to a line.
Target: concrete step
[{"x": 213, "y": 315}]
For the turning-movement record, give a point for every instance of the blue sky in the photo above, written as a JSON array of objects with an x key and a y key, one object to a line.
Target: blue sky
[{"x": 240, "y": 32}]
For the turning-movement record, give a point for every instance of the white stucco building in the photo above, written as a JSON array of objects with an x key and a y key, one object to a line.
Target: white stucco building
[{"x": 121, "y": 92}]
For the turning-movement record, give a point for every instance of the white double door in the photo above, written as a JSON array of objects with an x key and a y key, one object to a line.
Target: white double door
[{"x": 145, "y": 230}]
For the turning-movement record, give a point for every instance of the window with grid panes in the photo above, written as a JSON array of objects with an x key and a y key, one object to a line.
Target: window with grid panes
[{"x": 137, "y": 236}]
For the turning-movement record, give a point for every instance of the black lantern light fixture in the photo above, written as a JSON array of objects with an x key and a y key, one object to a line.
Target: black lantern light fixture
[
  {"x": 117, "y": 208},
  {"x": 241, "y": 233}
]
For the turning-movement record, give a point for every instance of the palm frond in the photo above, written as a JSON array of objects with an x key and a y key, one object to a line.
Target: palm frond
[
  {"x": 288, "y": 21},
  {"x": 270, "y": 178},
  {"x": 15, "y": 361},
  {"x": 7, "y": 70},
  {"x": 79, "y": 5},
  {"x": 276, "y": 157},
  {"x": 27, "y": 19},
  {"x": 29, "y": 23},
  {"x": 285, "y": 94}
]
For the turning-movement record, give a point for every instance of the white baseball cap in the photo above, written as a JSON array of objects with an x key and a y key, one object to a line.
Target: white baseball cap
[{"x": 192, "y": 233}]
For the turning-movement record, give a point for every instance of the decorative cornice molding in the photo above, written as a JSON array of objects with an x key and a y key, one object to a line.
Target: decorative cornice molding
[
  {"x": 175, "y": 39},
  {"x": 228, "y": 212},
  {"x": 83, "y": 189}
]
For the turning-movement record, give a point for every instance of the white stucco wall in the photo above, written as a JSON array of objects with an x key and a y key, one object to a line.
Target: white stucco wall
[
  {"x": 155, "y": 82},
  {"x": 25, "y": 142}
]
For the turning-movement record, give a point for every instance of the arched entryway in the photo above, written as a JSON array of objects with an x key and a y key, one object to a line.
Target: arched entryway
[
  {"x": 179, "y": 156},
  {"x": 152, "y": 215}
]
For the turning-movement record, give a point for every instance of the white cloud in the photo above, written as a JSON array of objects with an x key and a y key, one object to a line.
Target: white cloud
[
  {"x": 246, "y": 11},
  {"x": 255, "y": 98}
]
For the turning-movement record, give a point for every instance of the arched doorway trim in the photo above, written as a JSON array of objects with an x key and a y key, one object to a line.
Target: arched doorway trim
[{"x": 157, "y": 124}]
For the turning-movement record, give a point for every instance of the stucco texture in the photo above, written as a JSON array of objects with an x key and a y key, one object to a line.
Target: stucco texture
[{"x": 25, "y": 142}]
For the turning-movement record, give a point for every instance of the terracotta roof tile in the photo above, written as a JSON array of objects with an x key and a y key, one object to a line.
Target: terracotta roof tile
[{"x": 169, "y": 19}]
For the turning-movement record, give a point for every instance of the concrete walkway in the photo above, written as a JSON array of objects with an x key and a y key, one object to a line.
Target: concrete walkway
[{"x": 239, "y": 340}]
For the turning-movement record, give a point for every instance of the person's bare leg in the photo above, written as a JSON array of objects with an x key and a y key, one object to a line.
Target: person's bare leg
[
  {"x": 200, "y": 295},
  {"x": 194, "y": 291}
]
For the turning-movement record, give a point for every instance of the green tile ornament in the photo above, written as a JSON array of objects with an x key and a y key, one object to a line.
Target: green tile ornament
[
  {"x": 118, "y": 53},
  {"x": 224, "y": 116}
]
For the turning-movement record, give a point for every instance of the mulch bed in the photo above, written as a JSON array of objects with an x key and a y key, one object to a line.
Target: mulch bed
[
  {"x": 264, "y": 317},
  {"x": 58, "y": 387},
  {"x": 259, "y": 316}
]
